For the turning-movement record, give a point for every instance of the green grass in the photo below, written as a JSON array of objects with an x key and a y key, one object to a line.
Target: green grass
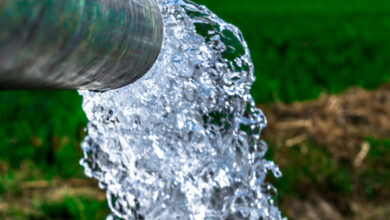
[
  {"x": 44, "y": 127},
  {"x": 375, "y": 175},
  {"x": 312, "y": 171},
  {"x": 41, "y": 133},
  {"x": 309, "y": 169},
  {"x": 302, "y": 48},
  {"x": 75, "y": 208}
]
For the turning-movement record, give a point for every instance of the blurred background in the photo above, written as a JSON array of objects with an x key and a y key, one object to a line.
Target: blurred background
[{"x": 323, "y": 81}]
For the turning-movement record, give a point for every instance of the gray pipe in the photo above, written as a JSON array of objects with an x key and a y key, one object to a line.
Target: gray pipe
[{"x": 77, "y": 44}]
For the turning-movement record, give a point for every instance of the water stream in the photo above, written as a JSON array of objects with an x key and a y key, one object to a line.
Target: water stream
[{"x": 183, "y": 142}]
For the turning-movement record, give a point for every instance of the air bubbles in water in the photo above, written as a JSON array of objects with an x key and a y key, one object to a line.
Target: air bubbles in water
[{"x": 183, "y": 142}]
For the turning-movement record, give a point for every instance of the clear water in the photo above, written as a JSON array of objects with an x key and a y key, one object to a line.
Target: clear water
[{"x": 184, "y": 142}]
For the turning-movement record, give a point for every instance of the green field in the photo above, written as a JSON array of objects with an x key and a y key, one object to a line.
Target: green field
[{"x": 300, "y": 49}]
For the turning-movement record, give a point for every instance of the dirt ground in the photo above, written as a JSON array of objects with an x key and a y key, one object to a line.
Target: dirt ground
[
  {"x": 338, "y": 122},
  {"x": 340, "y": 125}
]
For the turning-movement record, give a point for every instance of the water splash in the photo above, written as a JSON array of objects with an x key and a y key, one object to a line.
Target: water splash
[{"x": 184, "y": 141}]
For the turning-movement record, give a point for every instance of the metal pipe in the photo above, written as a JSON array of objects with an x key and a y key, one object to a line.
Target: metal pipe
[{"x": 77, "y": 44}]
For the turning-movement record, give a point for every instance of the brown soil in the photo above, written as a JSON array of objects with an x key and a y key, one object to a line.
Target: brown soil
[{"x": 338, "y": 122}]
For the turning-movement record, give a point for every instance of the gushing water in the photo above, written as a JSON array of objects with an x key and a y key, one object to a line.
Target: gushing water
[{"x": 183, "y": 142}]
